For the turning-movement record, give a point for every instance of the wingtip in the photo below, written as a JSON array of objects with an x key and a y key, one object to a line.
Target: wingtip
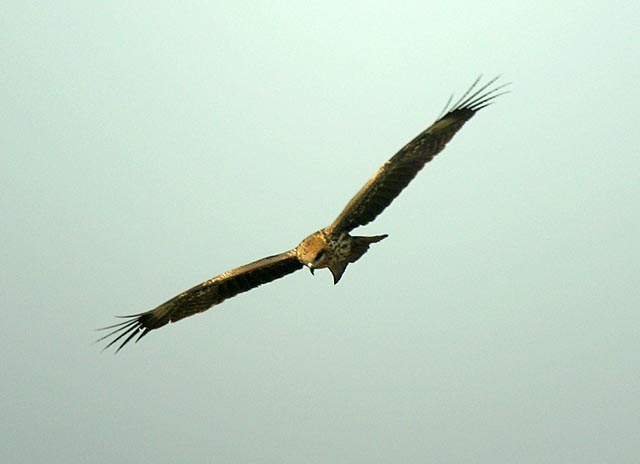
[
  {"x": 477, "y": 97},
  {"x": 127, "y": 330}
]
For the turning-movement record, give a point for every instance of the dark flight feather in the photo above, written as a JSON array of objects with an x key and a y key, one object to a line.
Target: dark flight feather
[
  {"x": 203, "y": 296},
  {"x": 387, "y": 183}
]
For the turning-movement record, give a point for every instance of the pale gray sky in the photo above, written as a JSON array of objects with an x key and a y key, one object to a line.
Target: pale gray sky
[{"x": 147, "y": 146}]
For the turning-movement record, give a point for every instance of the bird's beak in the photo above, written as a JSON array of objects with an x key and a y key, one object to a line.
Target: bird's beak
[{"x": 311, "y": 269}]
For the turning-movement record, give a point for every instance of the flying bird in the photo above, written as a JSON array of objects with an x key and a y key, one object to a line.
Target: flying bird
[{"x": 332, "y": 247}]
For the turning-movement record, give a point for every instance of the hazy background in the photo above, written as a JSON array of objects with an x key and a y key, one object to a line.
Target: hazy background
[{"x": 147, "y": 146}]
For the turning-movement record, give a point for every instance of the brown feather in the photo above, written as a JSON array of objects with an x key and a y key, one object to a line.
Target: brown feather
[
  {"x": 205, "y": 295},
  {"x": 387, "y": 183}
]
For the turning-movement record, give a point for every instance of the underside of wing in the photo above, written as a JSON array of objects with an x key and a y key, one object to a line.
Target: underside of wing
[
  {"x": 387, "y": 183},
  {"x": 203, "y": 296}
]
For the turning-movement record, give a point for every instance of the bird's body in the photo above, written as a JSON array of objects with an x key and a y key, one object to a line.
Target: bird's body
[
  {"x": 335, "y": 251},
  {"x": 332, "y": 247}
]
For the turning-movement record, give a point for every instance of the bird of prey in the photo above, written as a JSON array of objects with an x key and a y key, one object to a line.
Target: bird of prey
[{"x": 332, "y": 247}]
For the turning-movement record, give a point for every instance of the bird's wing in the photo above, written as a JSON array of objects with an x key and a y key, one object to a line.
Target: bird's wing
[
  {"x": 201, "y": 297},
  {"x": 387, "y": 183}
]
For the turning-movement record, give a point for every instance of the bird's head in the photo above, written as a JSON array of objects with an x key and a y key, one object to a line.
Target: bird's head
[
  {"x": 312, "y": 251},
  {"x": 318, "y": 261}
]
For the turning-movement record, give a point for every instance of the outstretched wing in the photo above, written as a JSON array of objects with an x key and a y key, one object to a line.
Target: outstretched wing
[
  {"x": 203, "y": 296},
  {"x": 387, "y": 183}
]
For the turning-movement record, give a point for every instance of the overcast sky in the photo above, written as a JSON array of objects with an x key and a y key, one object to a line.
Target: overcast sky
[{"x": 148, "y": 146}]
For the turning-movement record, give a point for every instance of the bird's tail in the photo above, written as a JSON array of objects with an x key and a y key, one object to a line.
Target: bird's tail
[{"x": 360, "y": 245}]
